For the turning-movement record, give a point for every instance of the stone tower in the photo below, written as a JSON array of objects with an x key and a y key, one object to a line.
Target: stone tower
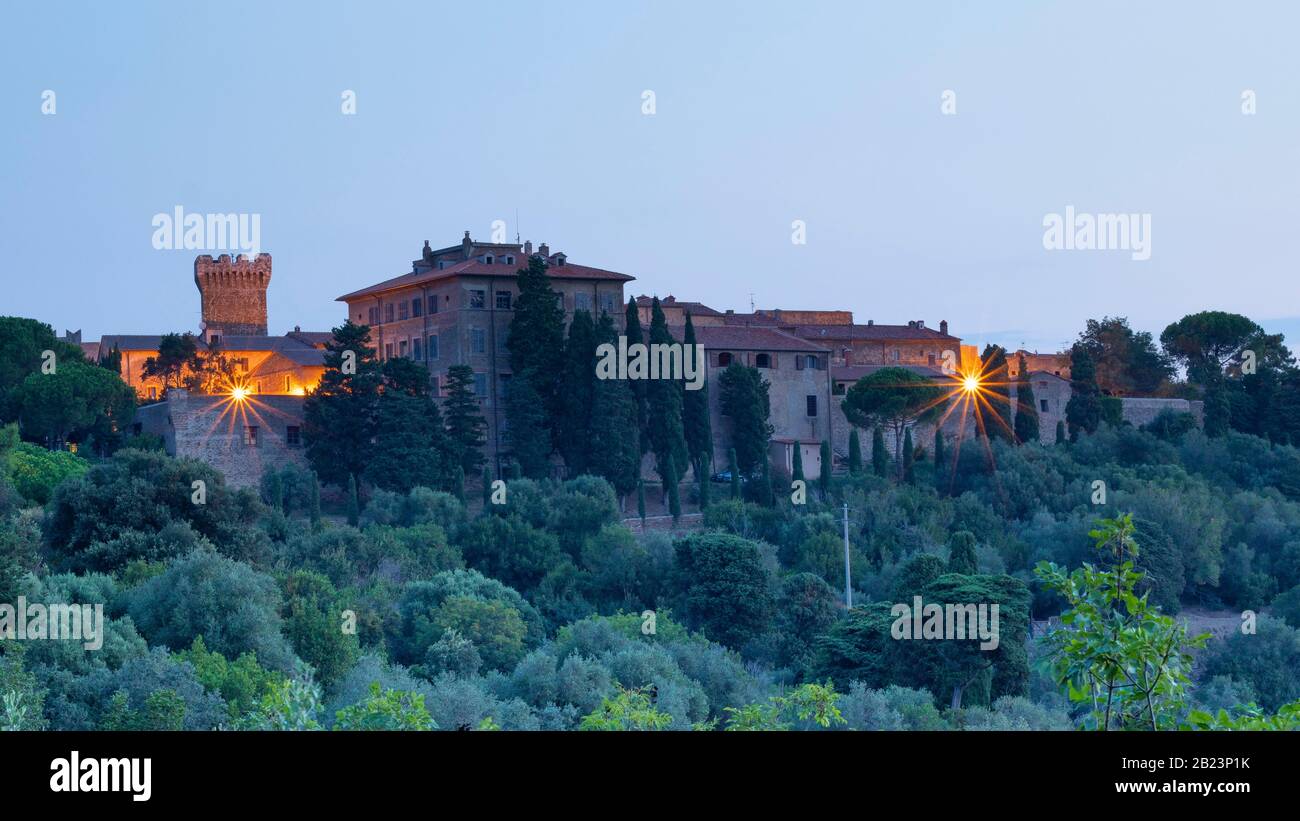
[{"x": 233, "y": 294}]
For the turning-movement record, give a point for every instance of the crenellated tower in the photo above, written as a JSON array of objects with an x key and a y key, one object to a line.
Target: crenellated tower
[{"x": 233, "y": 293}]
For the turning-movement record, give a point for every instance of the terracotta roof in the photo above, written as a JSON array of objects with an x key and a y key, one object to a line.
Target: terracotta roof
[
  {"x": 846, "y": 332},
  {"x": 741, "y": 338},
  {"x": 474, "y": 267},
  {"x": 692, "y": 308},
  {"x": 852, "y": 373}
]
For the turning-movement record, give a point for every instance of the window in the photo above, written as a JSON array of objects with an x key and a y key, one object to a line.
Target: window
[
  {"x": 896, "y": 354},
  {"x": 812, "y": 404},
  {"x": 433, "y": 303},
  {"x": 388, "y": 350},
  {"x": 477, "y": 298},
  {"x": 607, "y": 303},
  {"x": 503, "y": 300},
  {"x": 931, "y": 360},
  {"x": 724, "y": 359},
  {"x": 417, "y": 307},
  {"x": 436, "y": 385},
  {"x": 153, "y": 393},
  {"x": 1042, "y": 403},
  {"x": 477, "y": 340},
  {"x": 388, "y": 312},
  {"x": 293, "y": 436},
  {"x": 510, "y": 260},
  {"x": 503, "y": 385},
  {"x": 417, "y": 350},
  {"x": 489, "y": 259},
  {"x": 403, "y": 310},
  {"x": 559, "y": 300},
  {"x": 401, "y": 348},
  {"x": 582, "y": 301},
  {"x": 433, "y": 346},
  {"x": 372, "y": 316},
  {"x": 250, "y": 435},
  {"x": 480, "y": 384},
  {"x": 288, "y": 384},
  {"x": 763, "y": 361},
  {"x": 839, "y": 389}
]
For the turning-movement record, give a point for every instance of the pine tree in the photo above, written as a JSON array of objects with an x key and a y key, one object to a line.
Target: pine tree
[
  {"x": 354, "y": 504},
  {"x": 577, "y": 394},
  {"x": 411, "y": 447},
  {"x": 734, "y": 469},
  {"x": 695, "y": 410},
  {"x": 824, "y": 480},
  {"x": 744, "y": 396},
  {"x": 909, "y": 456},
  {"x": 796, "y": 469},
  {"x": 879, "y": 458},
  {"x": 464, "y": 418},
  {"x": 664, "y": 404},
  {"x": 615, "y": 447},
  {"x": 458, "y": 482},
  {"x": 855, "y": 452},
  {"x": 1026, "y": 406},
  {"x": 674, "y": 495},
  {"x": 339, "y": 415}
]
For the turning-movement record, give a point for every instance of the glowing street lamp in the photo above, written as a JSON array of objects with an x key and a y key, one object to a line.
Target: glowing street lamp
[
  {"x": 239, "y": 394},
  {"x": 971, "y": 383}
]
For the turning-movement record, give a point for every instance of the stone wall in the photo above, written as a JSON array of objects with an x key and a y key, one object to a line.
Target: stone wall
[
  {"x": 216, "y": 430},
  {"x": 1140, "y": 411}
]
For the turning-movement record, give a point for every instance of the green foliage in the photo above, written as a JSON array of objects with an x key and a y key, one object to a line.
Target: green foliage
[
  {"x": 796, "y": 462},
  {"x": 664, "y": 403},
  {"x": 628, "y": 710},
  {"x": 1026, "y": 423},
  {"x": 79, "y": 402},
  {"x": 386, "y": 710},
  {"x": 824, "y": 478},
  {"x": 961, "y": 553},
  {"x": 896, "y": 398},
  {"x": 855, "y": 451},
  {"x": 242, "y": 683},
  {"x": 1127, "y": 361},
  {"x": 466, "y": 427},
  {"x": 528, "y": 435},
  {"x": 293, "y": 704},
  {"x": 339, "y": 415},
  {"x": 879, "y": 456},
  {"x": 1115, "y": 654},
  {"x": 743, "y": 394},
  {"x": 809, "y": 703},
  {"x": 162, "y": 710},
  {"x": 36, "y": 472},
  {"x": 723, "y": 586},
  {"x": 313, "y": 617},
  {"x": 1083, "y": 411}
]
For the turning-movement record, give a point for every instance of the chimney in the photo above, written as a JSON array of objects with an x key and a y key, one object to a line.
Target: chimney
[
  {"x": 466, "y": 246},
  {"x": 943, "y": 327},
  {"x": 544, "y": 249},
  {"x": 920, "y": 323},
  {"x": 528, "y": 248},
  {"x": 870, "y": 322}
]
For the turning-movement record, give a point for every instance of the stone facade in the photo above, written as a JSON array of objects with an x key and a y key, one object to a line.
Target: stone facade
[
  {"x": 240, "y": 438},
  {"x": 233, "y": 294},
  {"x": 455, "y": 308},
  {"x": 1139, "y": 411}
]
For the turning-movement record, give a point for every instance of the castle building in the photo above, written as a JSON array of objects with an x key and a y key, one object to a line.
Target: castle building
[{"x": 455, "y": 305}]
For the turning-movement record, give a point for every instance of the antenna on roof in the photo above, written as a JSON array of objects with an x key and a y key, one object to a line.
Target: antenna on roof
[
  {"x": 751, "y": 302},
  {"x": 517, "y": 233}
]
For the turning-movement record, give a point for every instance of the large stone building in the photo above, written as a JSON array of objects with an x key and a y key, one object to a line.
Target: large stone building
[
  {"x": 455, "y": 305},
  {"x": 254, "y": 419}
]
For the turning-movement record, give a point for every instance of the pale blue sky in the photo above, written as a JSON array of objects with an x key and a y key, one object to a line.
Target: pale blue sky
[{"x": 766, "y": 113}]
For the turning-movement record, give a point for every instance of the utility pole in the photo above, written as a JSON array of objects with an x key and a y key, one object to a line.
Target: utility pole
[{"x": 848, "y": 573}]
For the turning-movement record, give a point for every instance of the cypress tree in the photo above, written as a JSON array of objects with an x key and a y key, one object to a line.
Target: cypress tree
[
  {"x": 1083, "y": 411},
  {"x": 463, "y": 418},
  {"x": 487, "y": 487},
  {"x": 664, "y": 404},
  {"x": 354, "y": 504},
  {"x": 940, "y": 459},
  {"x": 339, "y": 415},
  {"x": 640, "y": 499},
  {"x": 615, "y": 445},
  {"x": 275, "y": 491},
  {"x": 825, "y": 479},
  {"x": 1060, "y": 432},
  {"x": 577, "y": 394},
  {"x": 855, "y": 452},
  {"x": 766, "y": 485},
  {"x": 879, "y": 458},
  {"x": 1026, "y": 407},
  {"x": 674, "y": 496},
  {"x": 528, "y": 435},
  {"x": 315, "y": 499},
  {"x": 909, "y": 456},
  {"x": 961, "y": 553},
  {"x": 994, "y": 368},
  {"x": 796, "y": 470},
  {"x": 635, "y": 336},
  {"x": 536, "y": 345},
  {"x": 458, "y": 482},
  {"x": 735, "y": 473},
  {"x": 695, "y": 410},
  {"x": 702, "y": 476}
]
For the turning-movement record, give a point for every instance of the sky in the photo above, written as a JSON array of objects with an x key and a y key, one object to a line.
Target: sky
[{"x": 835, "y": 114}]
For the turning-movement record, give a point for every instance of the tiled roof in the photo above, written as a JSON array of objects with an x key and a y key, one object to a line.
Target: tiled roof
[
  {"x": 740, "y": 338},
  {"x": 852, "y": 373},
  {"x": 474, "y": 267},
  {"x": 692, "y": 308},
  {"x": 847, "y": 332}
]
